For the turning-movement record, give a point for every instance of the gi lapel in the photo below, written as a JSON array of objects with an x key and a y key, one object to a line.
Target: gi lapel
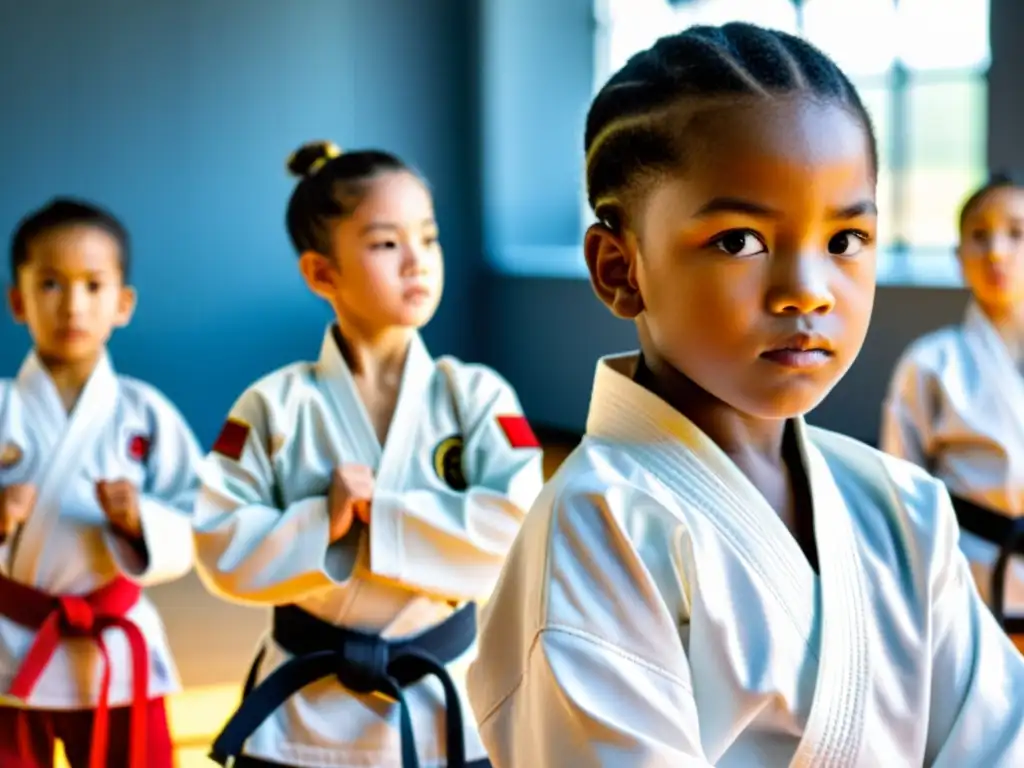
[
  {"x": 78, "y": 433},
  {"x": 390, "y": 462},
  {"x": 348, "y": 407},
  {"x": 699, "y": 473},
  {"x": 417, "y": 377},
  {"x": 834, "y": 730},
  {"x": 703, "y": 477}
]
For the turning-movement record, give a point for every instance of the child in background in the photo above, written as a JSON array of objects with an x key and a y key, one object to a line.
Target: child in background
[
  {"x": 368, "y": 497},
  {"x": 98, "y": 474},
  {"x": 708, "y": 581},
  {"x": 956, "y": 402}
]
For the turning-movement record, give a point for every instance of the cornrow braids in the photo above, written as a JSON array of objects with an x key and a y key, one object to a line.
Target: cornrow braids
[
  {"x": 331, "y": 185},
  {"x": 628, "y": 138}
]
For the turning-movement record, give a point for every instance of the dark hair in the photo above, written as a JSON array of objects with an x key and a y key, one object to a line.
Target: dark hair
[
  {"x": 332, "y": 184},
  {"x": 626, "y": 141},
  {"x": 66, "y": 212},
  {"x": 996, "y": 181}
]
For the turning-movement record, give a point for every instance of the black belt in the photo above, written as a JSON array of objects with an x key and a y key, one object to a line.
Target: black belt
[
  {"x": 1005, "y": 532},
  {"x": 993, "y": 527},
  {"x": 363, "y": 663}
]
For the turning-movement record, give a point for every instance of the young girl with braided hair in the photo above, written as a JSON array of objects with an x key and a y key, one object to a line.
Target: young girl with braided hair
[{"x": 708, "y": 580}]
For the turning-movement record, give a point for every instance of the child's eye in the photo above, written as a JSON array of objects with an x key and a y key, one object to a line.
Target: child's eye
[
  {"x": 385, "y": 245},
  {"x": 848, "y": 243},
  {"x": 94, "y": 286},
  {"x": 50, "y": 284},
  {"x": 739, "y": 242}
]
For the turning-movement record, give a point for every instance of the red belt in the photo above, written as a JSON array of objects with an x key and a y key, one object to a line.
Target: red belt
[{"x": 83, "y": 616}]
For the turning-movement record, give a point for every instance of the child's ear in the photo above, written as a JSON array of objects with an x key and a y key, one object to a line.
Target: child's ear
[
  {"x": 319, "y": 273},
  {"x": 126, "y": 301},
  {"x": 17, "y": 304},
  {"x": 611, "y": 260}
]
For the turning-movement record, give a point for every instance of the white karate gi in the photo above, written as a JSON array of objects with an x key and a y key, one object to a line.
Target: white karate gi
[
  {"x": 655, "y": 611},
  {"x": 120, "y": 429},
  {"x": 956, "y": 407},
  {"x": 261, "y": 531}
]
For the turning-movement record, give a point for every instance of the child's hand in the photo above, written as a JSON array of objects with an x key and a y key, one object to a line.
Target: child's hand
[
  {"x": 119, "y": 500},
  {"x": 16, "y": 503},
  {"x": 349, "y": 498}
]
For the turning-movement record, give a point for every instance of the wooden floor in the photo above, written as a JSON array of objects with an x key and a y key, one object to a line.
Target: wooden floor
[{"x": 213, "y": 643}]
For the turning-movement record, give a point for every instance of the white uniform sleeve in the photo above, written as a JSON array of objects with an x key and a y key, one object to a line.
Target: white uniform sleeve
[
  {"x": 907, "y": 414},
  {"x": 251, "y": 547},
  {"x": 451, "y": 543},
  {"x": 165, "y": 501},
  {"x": 580, "y": 660},
  {"x": 977, "y": 696}
]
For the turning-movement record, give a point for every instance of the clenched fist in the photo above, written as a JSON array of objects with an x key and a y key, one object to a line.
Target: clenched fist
[
  {"x": 349, "y": 497},
  {"x": 119, "y": 500},
  {"x": 16, "y": 502}
]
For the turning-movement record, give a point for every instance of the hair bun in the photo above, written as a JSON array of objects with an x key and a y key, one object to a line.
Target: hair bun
[{"x": 311, "y": 157}]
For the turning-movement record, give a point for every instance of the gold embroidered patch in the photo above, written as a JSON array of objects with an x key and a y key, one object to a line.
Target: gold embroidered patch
[
  {"x": 10, "y": 455},
  {"x": 448, "y": 463}
]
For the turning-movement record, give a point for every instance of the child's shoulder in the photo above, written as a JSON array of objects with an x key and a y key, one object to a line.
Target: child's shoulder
[
  {"x": 600, "y": 475},
  {"x": 145, "y": 396},
  {"x": 931, "y": 351},
  {"x": 887, "y": 493},
  {"x": 860, "y": 457},
  {"x": 275, "y": 398},
  {"x": 475, "y": 378},
  {"x": 286, "y": 384}
]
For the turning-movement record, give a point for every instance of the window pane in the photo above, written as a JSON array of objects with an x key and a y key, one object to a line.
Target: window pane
[
  {"x": 878, "y": 101},
  {"x": 775, "y": 14},
  {"x": 944, "y": 34},
  {"x": 946, "y": 146},
  {"x": 859, "y": 34},
  {"x": 634, "y": 26}
]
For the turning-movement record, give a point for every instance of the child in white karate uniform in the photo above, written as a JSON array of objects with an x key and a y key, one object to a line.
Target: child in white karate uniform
[
  {"x": 707, "y": 580},
  {"x": 98, "y": 475},
  {"x": 956, "y": 401},
  {"x": 368, "y": 497}
]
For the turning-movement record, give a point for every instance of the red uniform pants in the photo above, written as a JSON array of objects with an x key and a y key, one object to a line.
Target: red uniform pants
[{"x": 28, "y": 737}]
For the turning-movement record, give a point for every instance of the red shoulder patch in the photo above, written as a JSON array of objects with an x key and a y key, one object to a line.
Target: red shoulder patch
[
  {"x": 232, "y": 438},
  {"x": 138, "y": 448},
  {"x": 518, "y": 432}
]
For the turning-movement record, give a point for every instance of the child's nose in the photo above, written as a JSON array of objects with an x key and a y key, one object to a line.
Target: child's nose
[
  {"x": 801, "y": 286},
  {"x": 77, "y": 300}
]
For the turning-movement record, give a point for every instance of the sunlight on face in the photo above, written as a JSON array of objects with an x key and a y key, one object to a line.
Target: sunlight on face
[
  {"x": 388, "y": 258},
  {"x": 991, "y": 249},
  {"x": 756, "y": 261},
  {"x": 71, "y": 292}
]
